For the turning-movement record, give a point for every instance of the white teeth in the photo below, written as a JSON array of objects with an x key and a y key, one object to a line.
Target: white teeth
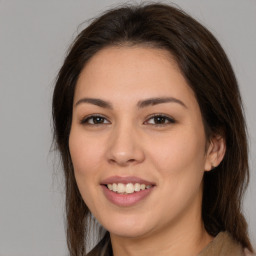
[
  {"x": 137, "y": 187},
  {"x": 114, "y": 187},
  {"x": 120, "y": 188},
  {"x": 129, "y": 188}
]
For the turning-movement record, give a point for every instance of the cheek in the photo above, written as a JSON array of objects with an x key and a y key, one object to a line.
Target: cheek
[
  {"x": 179, "y": 159},
  {"x": 86, "y": 152},
  {"x": 180, "y": 156}
]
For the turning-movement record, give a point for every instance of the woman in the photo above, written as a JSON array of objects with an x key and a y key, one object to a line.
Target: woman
[{"x": 149, "y": 123}]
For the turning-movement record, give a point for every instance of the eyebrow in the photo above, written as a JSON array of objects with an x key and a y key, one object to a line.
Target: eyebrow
[
  {"x": 97, "y": 102},
  {"x": 156, "y": 101},
  {"x": 140, "y": 104}
]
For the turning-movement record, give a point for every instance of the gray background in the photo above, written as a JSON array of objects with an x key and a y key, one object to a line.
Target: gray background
[{"x": 34, "y": 36}]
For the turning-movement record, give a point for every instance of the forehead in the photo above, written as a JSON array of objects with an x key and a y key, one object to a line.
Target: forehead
[{"x": 129, "y": 73}]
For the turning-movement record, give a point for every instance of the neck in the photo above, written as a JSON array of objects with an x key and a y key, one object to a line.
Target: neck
[
  {"x": 184, "y": 236},
  {"x": 179, "y": 244}
]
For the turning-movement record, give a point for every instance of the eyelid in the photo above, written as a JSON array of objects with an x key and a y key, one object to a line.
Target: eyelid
[
  {"x": 85, "y": 119},
  {"x": 171, "y": 120},
  {"x": 168, "y": 117}
]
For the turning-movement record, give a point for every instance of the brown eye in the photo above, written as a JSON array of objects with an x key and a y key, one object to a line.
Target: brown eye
[
  {"x": 160, "y": 120},
  {"x": 95, "y": 120}
]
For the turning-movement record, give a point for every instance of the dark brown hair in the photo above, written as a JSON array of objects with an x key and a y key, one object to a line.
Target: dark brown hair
[{"x": 208, "y": 72}]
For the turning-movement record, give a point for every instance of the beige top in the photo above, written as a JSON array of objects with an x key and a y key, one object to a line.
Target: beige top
[{"x": 222, "y": 245}]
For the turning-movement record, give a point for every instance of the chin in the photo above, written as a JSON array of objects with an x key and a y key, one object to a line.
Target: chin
[
  {"x": 129, "y": 233},
  {"x": 127, "y": 227}
]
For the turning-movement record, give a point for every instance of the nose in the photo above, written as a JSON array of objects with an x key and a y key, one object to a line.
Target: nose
[{"x": 125, "y": 147}]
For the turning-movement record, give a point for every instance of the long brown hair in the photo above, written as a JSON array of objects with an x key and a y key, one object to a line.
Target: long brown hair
[{"x": 208, "y": 72}]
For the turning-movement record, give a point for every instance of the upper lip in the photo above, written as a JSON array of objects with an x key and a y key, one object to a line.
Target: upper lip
[{"x": 126, "y": 180}]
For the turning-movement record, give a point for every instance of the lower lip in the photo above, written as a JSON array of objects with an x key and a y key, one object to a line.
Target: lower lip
[{"x": 126, "y": 200}]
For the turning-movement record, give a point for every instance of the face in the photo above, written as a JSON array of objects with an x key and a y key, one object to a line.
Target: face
[{"x": 137, "y": 142}]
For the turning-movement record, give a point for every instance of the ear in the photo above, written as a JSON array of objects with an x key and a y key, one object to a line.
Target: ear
[{"x": 215, "y": 152}]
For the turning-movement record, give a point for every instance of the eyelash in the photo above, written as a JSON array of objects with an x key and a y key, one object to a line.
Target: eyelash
[
  {"x": 86, "y": 120},
  {"x": 167, "y": 120}
]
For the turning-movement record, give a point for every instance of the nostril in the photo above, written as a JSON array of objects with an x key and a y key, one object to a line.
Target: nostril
[
  {"x": 123, "y": 161},
  {"x": 112, "y": 161}
]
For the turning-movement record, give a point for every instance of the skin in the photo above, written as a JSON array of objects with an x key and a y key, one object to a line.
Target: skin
[{"x": 127, "y": 141}]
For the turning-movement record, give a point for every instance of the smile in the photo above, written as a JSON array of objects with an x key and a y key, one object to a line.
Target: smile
[
  {"x": 126, "y": 191},
  {"x": 129, "y": 188}
]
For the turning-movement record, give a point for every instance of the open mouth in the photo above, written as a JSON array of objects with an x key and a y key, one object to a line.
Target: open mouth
[
  {"x": 129, "y": 188},
  {"x": 126, "y": 191}
]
